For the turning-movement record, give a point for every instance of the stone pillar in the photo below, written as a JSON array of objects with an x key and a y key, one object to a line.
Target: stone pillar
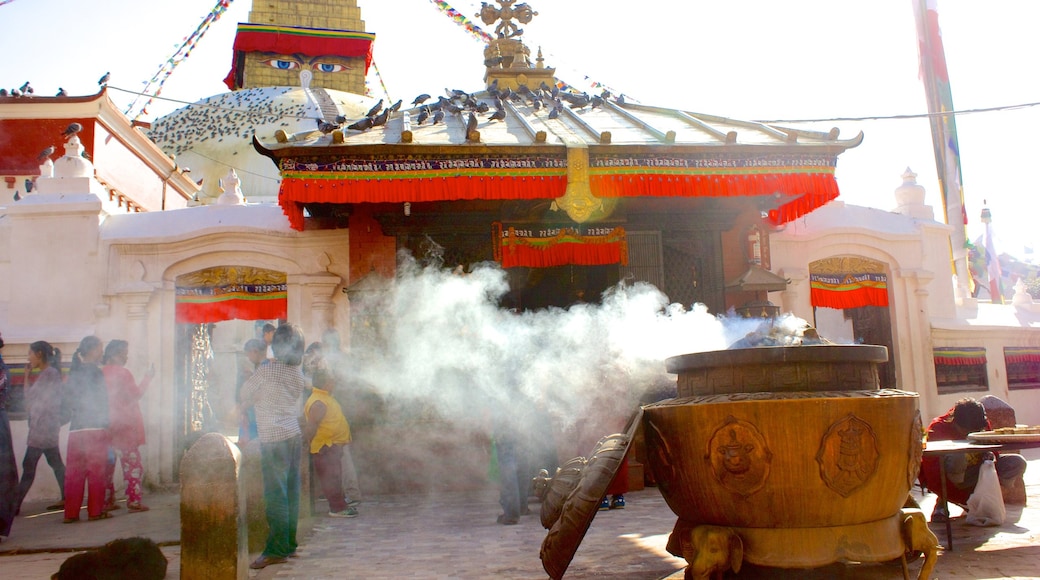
[
  {"x": 253, "y": 482},
  {"x": 213, "y": 510},
  {"x": 796, "y": 298}
]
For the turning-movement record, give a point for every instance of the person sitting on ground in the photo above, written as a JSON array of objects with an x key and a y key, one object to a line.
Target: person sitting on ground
[
  {"x": 327, "y": 431},
  {"x": 962, "y": 469}
]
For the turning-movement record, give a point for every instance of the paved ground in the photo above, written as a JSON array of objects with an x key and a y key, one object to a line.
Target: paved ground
[{"x": 453, "y": 535}]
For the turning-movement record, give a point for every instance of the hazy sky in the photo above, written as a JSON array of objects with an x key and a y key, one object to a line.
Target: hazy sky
[{"x": 750, "y": 59}]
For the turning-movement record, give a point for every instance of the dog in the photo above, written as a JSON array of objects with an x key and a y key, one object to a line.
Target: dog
[{"x": 122, "y": 559}]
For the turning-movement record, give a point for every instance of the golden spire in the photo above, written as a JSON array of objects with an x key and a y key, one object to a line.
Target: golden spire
[{"x": 507, "y": 59}]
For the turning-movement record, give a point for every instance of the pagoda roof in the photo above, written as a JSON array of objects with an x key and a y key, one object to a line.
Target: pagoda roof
[
  {"x": 621, "y": 150},
  {"x": 124, "y": 158},
  {"x": 621, "y": 124}
]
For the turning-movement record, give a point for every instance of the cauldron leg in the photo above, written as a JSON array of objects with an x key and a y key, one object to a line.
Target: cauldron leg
[{"x": 917, "y": 536}]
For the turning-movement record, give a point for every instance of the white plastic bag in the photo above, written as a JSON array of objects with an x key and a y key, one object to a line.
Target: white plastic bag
[{"x": 986, "y": 504}]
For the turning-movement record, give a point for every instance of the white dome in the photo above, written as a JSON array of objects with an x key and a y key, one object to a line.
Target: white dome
[{"x": 216, "y": 134}]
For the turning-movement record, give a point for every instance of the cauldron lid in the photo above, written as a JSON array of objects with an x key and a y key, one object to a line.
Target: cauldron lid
[
  {"x": 778, "y": 354},
  {"x": 581, "y": 506}
]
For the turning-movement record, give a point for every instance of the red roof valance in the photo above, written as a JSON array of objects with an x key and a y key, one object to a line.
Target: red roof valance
[
  {"x": 231, "y": 302},
  {"x": 290, "y": 40},
  {"x": 843, "y": 291},
  {"x": 545, "y": 247},
  {"x": 968, "y": 355},
  {"x": 1021, "y": 354},
  {"x": 801, "y": 183}
]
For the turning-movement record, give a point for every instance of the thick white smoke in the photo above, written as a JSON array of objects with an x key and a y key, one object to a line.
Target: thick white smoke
[{"x": 440, "y": 338}]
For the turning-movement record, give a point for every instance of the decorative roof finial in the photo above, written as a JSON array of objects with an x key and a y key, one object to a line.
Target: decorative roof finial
[{"x": 506, "y": 13}]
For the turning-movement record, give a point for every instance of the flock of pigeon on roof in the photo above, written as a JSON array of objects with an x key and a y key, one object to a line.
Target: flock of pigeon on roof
[
  {"x": 26, "y": 89},
  {"x": 457, "y": 102}
]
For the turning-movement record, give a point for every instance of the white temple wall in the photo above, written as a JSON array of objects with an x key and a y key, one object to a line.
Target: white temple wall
[
  {"x": 316, "y": 264},
  {"x": 1025, "y": 401},
  {"x": 71, "y": 276},
  {"x": 910, "y": 288}
]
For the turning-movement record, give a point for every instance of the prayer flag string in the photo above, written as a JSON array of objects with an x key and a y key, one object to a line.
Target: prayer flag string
[
  {"x": 182, "y": 53},
  {"x": 467, "y": 24}
]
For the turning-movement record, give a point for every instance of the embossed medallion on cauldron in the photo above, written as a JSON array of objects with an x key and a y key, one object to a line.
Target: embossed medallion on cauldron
[
  {"x": 739, "y": 457},
  {"x": 848, "y": 455}
]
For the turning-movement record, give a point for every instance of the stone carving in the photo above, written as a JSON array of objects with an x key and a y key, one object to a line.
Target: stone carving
[
  {"x": 845, "y": 265},
  {"x": 225, "y": 275},
  {"x": 558, "y": 489},
  {"x": 729, "y": 397},
  {"x": 710, "y": 551},
  {"x": 739, "y": 457},
  {"x": 848, "y": 455},
  {"x": 916, "y": 449},
  {"x": 917, "y": 536}
]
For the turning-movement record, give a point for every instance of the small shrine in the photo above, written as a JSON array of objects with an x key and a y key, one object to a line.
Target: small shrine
[{"x": 535, "y": 176}]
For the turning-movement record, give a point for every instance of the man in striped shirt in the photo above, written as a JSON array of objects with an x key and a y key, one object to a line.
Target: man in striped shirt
[{"x": 274, "y": 392}]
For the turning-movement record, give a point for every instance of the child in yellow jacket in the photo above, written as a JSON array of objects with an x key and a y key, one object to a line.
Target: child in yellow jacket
[{"x": 327, "y": 431}]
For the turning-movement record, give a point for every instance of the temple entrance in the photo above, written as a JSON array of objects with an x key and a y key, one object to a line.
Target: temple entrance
[
  {"x": 850, "y": 305},
  {"x": 560, "y": 286},
  {"x": 217, "y": 310}
]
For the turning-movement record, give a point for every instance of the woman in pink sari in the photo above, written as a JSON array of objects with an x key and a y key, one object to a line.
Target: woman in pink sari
[{"x": 126, "y": 425}]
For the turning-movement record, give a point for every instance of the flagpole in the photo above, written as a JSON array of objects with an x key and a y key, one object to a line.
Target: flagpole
[
  {"x": 996, "y": 286},
  {"x": 943, "y": 124}
]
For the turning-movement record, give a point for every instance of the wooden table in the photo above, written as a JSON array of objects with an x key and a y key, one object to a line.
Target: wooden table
[{"x": 962, "y": 447}]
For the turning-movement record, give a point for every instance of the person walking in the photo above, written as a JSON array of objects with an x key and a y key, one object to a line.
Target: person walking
[
  {"x": 274, "y": 391},
  {"x": 43, "y": 401},
  {"x": 87, "y": 400},
  {"x": 8, "y": 468},
  {"x": 125, "y": 425}
]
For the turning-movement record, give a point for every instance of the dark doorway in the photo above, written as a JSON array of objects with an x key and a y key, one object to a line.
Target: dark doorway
[{"x": 560, "y": 286}]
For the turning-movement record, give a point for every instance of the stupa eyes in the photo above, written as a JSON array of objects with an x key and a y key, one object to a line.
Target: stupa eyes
[
  {"x": 282, "y": 64},
  {"x": 328, "y": 67},
  {"x": 290, "y": 63}
]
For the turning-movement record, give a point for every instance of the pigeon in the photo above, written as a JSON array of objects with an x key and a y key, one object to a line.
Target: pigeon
[
  {"x": 554, "y": 113},
  {"x": 498, "y": 115},
  {"x": 483, "y": 107},
  {"x": 597, "y": 101},
  {"x": 381, "y": 118},
  {"x": 72, "y": 129},
  {"x": 493, "y": 61},
  {"x": 375, "y": 110},
  {"x": 620, "y": 100},
  {"x": 340, "y": 119},
  {"x": 361, "y": 125},
  {"x": 438, "y": 117},
  {"x": 424, "y": 114},
  {"x": 421, "y": 99},
  {"x": 395, "y": 107},
  {"x": 103, "y": 81},
  {"x": 3, "y": 92},
  {"x": 26, "y": 89},
  {"x": 326, "y": 127},
  {"x": 45, "y": 153},
  {"x": 62, "y": 93},
  {"x": 471, "y": 124}
]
